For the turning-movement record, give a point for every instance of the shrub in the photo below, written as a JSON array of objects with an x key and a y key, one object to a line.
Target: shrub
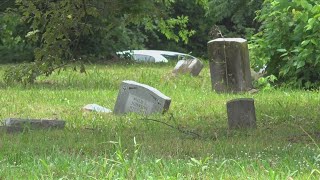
[
  {"x": 13, "y": 47},
  {"x": 289, "y": 41}
]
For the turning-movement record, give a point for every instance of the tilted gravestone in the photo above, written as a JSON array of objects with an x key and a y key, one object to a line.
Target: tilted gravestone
[
  {"x": 193, "y": 67},
  {"x": 11, "y": 129},
  {"x": 229, "y": 65},
  {"x": 141, "y": 99},
  {"x": 241, "y": 113}
]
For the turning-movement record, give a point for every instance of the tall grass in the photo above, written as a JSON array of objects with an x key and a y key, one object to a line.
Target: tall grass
[{"x": 105, "y": 146}]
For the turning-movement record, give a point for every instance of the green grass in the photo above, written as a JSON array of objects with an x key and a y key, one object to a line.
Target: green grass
[{"x": 105, "y": 146}]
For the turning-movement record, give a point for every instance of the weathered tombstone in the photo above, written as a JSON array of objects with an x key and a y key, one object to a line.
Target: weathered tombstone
[
  {"x": 141, "y": 99},
  {"x": 241, "y": 113},
  {"x": 229, "y": 65},
  {"x": 34, "y": 123},
  {"x": 193, "y": 67},
  {"x": 11, "y": 129}
]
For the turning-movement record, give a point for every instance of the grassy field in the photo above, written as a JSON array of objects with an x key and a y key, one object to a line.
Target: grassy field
[{"x": 105, "y": 146}]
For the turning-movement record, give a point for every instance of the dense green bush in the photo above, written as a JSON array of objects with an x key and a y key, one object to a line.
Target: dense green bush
[
  {"x": 235, "y": 17},
  {"x": 289, "y": 41},
  {"x": 198, "y": 23},
  {"x": 13, "y": 47}
]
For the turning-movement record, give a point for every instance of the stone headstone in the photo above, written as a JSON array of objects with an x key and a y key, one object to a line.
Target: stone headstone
[
  {"x": 193, "y": 67},
  {"x": 34, "y": 123},
  {"x": 229, "y": 65},
  {"x": 241, "y": 113},
  {"x": 11, "y": 129},
  {"x": 141, "y": 99}
]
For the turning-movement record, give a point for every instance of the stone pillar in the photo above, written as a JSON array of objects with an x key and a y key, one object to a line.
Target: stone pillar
[
  {"x": 241, "y": 113},
  {"x": 229, "y": 65}
]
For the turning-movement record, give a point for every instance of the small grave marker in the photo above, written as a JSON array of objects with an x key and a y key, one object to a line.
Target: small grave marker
[
  {"x": 241, "y": 113},
  {"x": 140, "y": 98}
]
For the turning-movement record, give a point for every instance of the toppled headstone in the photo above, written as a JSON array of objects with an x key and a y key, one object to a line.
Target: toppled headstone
[
  {"x": 229, "y": 65},
  {"x": 241, "y": 113},
  {"x": 140, "y": 98},
  {"x": 11, "y": 129},
  {"x": 96, "y": 108},
  {"x": 34, "y": 123},
  {"x": 193, "y": 67}
]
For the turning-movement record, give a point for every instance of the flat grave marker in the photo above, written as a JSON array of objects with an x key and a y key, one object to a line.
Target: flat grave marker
[{"x": 12, "y": 125}]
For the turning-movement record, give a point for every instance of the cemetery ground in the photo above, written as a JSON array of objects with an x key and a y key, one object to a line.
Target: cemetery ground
[{"x": 285, "y": 144}]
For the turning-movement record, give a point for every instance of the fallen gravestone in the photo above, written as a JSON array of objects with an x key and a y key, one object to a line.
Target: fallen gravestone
[
  {"x": 193, "y": 67},
  {"x": 141, "y": 99},
  {"x": 241, "y": 113},
  {"x": 96, "y": 108},
  {"x": 229, "y": 65},
  {"x": 10, "y": 129},
  {"x": 16, "y": 125}
]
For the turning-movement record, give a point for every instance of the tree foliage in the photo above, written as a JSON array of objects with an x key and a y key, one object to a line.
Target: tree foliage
[
  {"x": 198, "y": 25},
  {"x": 4, "y": 4},
  {"x": 65, "y": 31},
  {"x": 13, "y": 45},
  {"x": 289, "y": 41},
  {"x": 235, "y": 17}
]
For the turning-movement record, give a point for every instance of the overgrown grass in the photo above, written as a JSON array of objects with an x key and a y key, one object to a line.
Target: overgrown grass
[{"x": 105, "y": 146}]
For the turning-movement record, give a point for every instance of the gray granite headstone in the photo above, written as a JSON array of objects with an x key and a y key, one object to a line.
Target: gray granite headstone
[
  {"x": 193, "y": 67},
  {"x": 229, "y": 65},
  {"x": 140, "y": 98}
]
